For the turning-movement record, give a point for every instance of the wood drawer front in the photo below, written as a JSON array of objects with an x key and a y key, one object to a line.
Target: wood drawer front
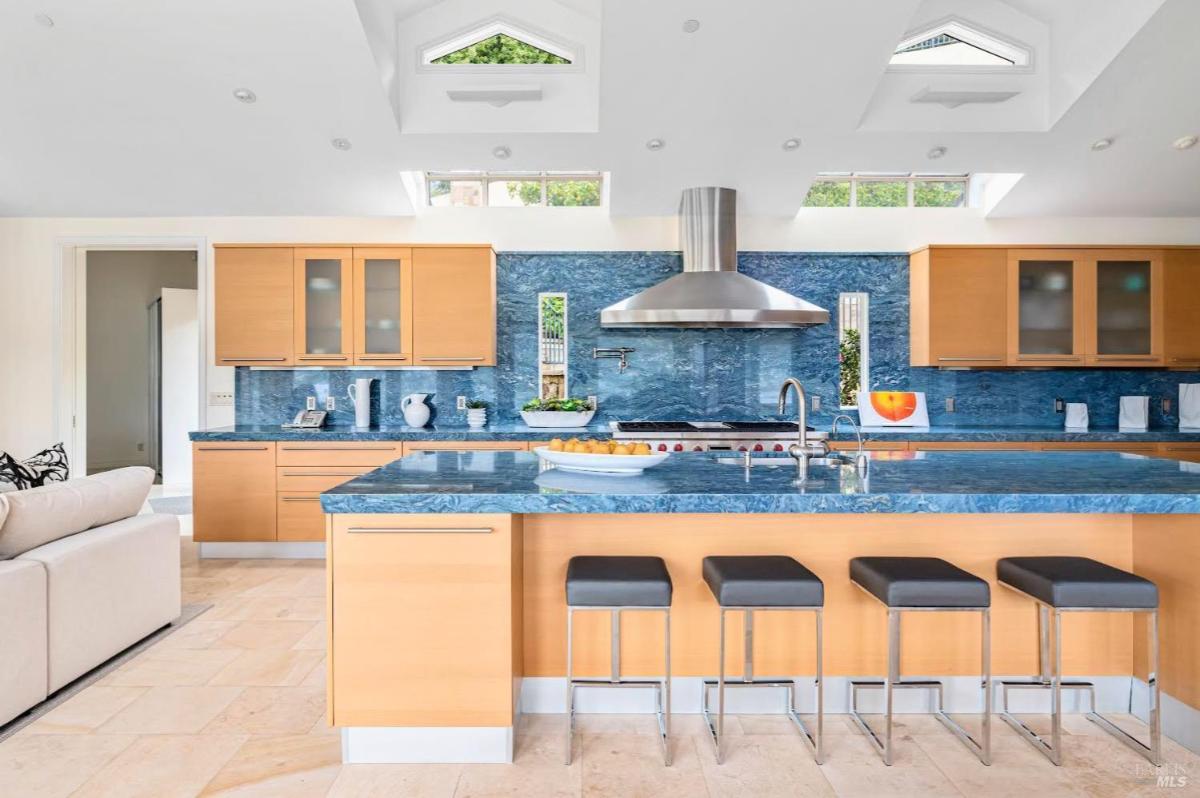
[
  {"x": 1189, "y": 452},
  {"x": 1100, "y": 446},
  {"x": 422, "y": 620},
  {"x": 465, "y": 446},
  {"x": 870, "y": 446},
  {"x": 339, "y": 453},
  {"x": 234, "y": 491},
  {"x": 972, "y": 446},
  {"x": 315, "y": 479},
  {"x": 299, "y": 516}
]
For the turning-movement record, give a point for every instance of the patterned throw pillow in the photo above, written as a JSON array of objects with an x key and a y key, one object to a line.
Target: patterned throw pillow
[{"x": 48, "y": 465}]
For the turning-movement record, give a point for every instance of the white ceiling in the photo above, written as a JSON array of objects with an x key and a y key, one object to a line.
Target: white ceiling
[{"x": 124, "y": 107}]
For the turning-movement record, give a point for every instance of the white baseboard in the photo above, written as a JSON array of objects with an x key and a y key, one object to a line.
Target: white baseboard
[
  {"x": 427, "y": 745},
  {"x": 287, "y": 550},
  {"x": 547, "y": 695},
  {"x": 1180, "y": 721}
]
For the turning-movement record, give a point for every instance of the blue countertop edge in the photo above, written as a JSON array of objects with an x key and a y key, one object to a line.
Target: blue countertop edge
[{"x": 520, "y": 432}]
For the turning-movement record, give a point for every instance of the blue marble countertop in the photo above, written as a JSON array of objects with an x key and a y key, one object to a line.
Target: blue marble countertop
[
  {"x": 898, "y": 482},
  {"x": 520, "y": 432}
]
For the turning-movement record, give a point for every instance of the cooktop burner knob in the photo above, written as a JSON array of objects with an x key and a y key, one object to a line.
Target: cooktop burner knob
[
  {"x": 697, "y": 448},
  {"x": 662, "y": 447},
  {"x": 679, "y": 447},
  {"x": 779, "y": 447},
  {"x": 758, "y": 447},
  {"x": 741, "y": 448}
]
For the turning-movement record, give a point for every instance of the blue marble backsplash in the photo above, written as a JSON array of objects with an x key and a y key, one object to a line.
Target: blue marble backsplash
[{"x": 705, "y": 374}]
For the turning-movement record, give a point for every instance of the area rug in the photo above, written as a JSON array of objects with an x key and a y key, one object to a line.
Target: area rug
[
  {"x": 172, "y": 505},
  {"x": 189, "y": 613}
]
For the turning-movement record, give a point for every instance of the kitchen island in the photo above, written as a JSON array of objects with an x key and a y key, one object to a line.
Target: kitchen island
[{"x": 447, "y": 614}]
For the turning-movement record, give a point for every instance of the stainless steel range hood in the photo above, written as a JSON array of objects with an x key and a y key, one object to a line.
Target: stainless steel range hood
[{"x": 710, "y": 292}]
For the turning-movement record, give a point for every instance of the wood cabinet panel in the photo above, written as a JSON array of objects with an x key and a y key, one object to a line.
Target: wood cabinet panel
[
  {"x": 958, "y": 311},
  {"x": 1096, "y": 315},
  {"x": 316, "y": 478},
  {"x": 299, "y": 517},
  {"x": 464, "y": 446},
  {"x": 423, "y": 619},
  {"x": 233, "y": 487},
  {"x": 1188, "y": 452},
  {"x": 253, "y": 310},
  {"x": 972, "y": 446},
  {"x": 1036, "y": 320},
  {"x": 339, "y": 453},
  {"x": 454, "y": 306},
  {"x": 383, "y": 302},
  {"x": 336, "y": 317},
  {"x": 1099, "y": 446},
  {"x": 1181, "y": 308}
]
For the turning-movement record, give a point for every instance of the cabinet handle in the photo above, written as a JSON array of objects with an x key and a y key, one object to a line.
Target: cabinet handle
[
  {"x": 958, "y": 359},
  {"x": 257, "y": 359},
  {"x": 233, "y": 448},
  {"x": 338, "y": 448},
  {"x": 300, "y": 498},
  {"x": 1052, "y": 358},
  {"x": 382, "y": 357},
  {"x": 1185, "y": 360},
  {"x": 1127, "y": 357},
  {"x": 324, "y": 474},
  {"x": 322, "y": 357},
  {"x": 455, "y": 359},
  {"x": 461, "y": 530}
]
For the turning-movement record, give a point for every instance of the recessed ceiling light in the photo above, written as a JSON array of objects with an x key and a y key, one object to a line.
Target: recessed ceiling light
[
  {"x": 45, "y": 20},
  {"x": 691, "y": 25},
  {"x": 791, "y": 144},
  {"x": 245, "y": 95},
  {"x": 654, "y": 145},
  {"x": 341, "y": 144},
  {"x": 501, "y": 152},
  {"x": 935, "y": 153},
  {"x": 1184, "y": 142},
  {"x": 1101, "y": 144}
]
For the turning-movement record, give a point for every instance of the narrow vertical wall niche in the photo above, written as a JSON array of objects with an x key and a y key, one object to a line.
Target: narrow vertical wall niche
[{"x": 854, "y": 356}]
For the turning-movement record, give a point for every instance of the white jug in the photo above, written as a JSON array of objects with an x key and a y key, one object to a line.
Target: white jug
[
  {"x": 360, "y": 394},
  {"x": 416, "y": 412}
]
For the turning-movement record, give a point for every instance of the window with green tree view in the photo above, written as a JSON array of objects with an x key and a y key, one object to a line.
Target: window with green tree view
[
  {"x": 883, "y": 190},
  {"x": 500, "y": 49},
  {"x": 515, "y": 189}
]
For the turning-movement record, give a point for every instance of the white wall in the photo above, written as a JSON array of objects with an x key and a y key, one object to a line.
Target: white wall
[
  {"x": 180, "y": 382},
  {"x": 120, "y": 286},
  {"x": 27, "y": 257}
]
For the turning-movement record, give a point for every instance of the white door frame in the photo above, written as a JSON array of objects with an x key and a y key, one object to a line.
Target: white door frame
[{"x": 70, "y": 326}]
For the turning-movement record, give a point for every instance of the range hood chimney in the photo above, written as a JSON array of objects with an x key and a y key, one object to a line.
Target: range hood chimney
[{"x": 710, "y": 292}]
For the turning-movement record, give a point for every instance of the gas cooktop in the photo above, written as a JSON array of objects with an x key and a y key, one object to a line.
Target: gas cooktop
[{"x": 708, "y": 426}]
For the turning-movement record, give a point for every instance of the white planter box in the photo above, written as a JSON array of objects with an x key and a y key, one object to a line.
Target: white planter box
[{"x": 557, "y": 418}]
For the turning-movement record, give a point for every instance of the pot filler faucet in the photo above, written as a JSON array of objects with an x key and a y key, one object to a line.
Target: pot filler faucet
[{"x": 801, "y": 450}]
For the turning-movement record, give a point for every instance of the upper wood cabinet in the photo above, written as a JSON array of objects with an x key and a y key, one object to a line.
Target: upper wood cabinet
[
  {"x": 322, "y": 282},
  {"x": 454, "y": 306},
  {"x": 253, "y": 306},
  {"x": 1123, "y": 290},
  {"x": 1047, "y": 308},
  {"x": 1181, "y": 308},
  {"x": 958, "y": 308},
  {"x": 383, "y": 306},
  {"x": 346, "y": 305}
]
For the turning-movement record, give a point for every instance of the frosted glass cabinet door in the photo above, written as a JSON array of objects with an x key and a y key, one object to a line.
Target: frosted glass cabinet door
[
  {"x": 1128, "y": 299},
  {"x": 1046, "y": 318},
  {"x": 323, "y": 306},
  {"x": 383, "y": 307}
]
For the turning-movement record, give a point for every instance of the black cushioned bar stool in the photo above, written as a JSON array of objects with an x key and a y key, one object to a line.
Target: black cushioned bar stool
[
  {"x": 1078, "y": 584},
  {"x": 615, "y": 584},
  {"x": 923, "y": 584},
  {"x": 760, "y": 583}
]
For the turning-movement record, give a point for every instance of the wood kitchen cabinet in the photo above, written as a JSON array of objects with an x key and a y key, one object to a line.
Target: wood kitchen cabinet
[
  {"x": 383, "y": 306},
  {"x": 323, "y": 303},
  {"x": 958, "y": 310},
  {"x": 454, "y": 306},
  {"x": 253, "y": 309},
  {"x": 233, "y": 487},
  {"x": 1123, "y": 318},
  {"x": 1181, "y": 308},
  {"x": 1047, "y": 308}
]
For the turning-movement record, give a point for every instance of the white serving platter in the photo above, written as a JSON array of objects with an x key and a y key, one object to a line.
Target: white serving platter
[{"x": 601, "y": 463}]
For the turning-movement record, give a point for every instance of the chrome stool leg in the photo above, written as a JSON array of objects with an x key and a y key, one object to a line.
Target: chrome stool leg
[
  {"x": 982, "y": 747},
  {"x": 716, "y": 730},
  {"x": 662, "y": 688}
]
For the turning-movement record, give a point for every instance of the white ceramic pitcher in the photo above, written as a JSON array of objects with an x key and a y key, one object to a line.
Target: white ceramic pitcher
[
  {"x": 416, "y": 412},
  {"x": 360, "y": 394}
]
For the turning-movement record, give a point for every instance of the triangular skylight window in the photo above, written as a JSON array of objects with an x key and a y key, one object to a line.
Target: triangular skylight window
[
  {"x": 952, "y": 43},
  {"x": 501, "y": 49},
  {"x": 499, "y": 42}
]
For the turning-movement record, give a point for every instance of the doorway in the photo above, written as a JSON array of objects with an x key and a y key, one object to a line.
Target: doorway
[{"x": 139, "y": 359}]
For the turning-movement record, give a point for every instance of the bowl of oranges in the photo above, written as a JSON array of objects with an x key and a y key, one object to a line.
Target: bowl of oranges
[{"x": 608, "y": 457}]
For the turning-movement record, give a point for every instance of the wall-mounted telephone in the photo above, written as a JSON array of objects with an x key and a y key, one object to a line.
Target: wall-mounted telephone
[{"x": 308, "y": 419}]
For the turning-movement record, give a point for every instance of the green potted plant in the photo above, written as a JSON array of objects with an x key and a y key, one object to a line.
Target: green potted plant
[
  {"x": 476, "y": 413},
  {"x": 563, "y": 413}
]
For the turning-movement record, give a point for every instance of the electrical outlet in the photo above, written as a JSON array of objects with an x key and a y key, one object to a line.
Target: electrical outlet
[
  {"x": 949, "y": 404},
  {"x": 460, "y": 403},
  {"x": 1059, "y": 405},
  {"x": 141, "y": 447},
  {"x": 310, "y": 403},
  {"x": 220, "y": 399},
  {"x": 816, "y": 404},
  {"x": 330, "y": 403},
  {"x": 594, "y": 401},
  {"x": 1166, "y": 405}
]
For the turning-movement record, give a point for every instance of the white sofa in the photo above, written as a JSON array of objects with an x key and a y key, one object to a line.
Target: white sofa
[{"x": 82, "y": 577}]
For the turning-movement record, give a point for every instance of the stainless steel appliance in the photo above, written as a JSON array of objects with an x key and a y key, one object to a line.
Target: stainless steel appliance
[{"x": 714, "y": 436}]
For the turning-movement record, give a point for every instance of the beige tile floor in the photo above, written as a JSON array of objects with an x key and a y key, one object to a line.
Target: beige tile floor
[{"x": 233, "y": 705}]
